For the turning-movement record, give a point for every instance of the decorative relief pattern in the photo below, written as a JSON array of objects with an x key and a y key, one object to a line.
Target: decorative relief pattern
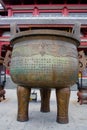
[{"x": 47, "y": 47}]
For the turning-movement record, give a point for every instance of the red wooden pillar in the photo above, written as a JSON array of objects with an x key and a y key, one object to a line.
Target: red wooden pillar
[
  {"x": 65, "y": 11},
  {"x": 10, "y": 13},
  {"x": 36, "y": 11}
]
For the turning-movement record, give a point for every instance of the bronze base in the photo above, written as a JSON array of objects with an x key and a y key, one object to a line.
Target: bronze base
[
  {"x": 22, "y": 119},
  {"x": 23, "y": 102},
  {"x": 45, "y": 100},
  {"x": 62, "y": 120},
  {"x": 62, "y": 96}
]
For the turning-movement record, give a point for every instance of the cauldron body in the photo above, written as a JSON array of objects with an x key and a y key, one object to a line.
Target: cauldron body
[{"x": 44, "y": 59}]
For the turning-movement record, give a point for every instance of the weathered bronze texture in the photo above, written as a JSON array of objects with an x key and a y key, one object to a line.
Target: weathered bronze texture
[
  {"x": 44, "y": 59},
  {"x": 82, "y": 96},
  {"x": 45, "y": 99},
  {"x": 62, "y": 96},
  {"x": 23, "y": 94}
]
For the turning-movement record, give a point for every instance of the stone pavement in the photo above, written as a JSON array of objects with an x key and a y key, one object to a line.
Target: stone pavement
[{"x": 38, "y": 120}]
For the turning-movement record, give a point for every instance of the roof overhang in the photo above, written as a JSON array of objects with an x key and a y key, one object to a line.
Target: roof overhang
[
  {"x": 43, "y": 20},
  {"x": 2, "y": 5}
]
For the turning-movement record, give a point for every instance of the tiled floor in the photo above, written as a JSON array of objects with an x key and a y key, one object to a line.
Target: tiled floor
[{"x": 38, "y": 120}]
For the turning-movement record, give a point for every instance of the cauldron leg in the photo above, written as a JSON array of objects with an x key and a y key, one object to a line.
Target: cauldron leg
[
  {"x": 23, "y": 95},
  {"x": 62, "y": 96},
  {"x": 45, "y": 99}
]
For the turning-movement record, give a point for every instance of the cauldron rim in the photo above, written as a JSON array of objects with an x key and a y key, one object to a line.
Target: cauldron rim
[{"x": 45, "y": 32}]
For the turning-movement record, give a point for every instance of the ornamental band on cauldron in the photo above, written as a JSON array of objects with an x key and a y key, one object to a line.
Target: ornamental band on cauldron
[{"x": 44, "y": 59}]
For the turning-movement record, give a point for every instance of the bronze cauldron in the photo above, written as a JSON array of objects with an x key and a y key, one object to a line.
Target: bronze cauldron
[{"x": 44, "y": 59}]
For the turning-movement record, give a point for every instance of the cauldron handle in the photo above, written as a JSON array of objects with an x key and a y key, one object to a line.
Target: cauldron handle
[
  {"x": 76, "y": 30},
  {"x": 14, "y": 28}
]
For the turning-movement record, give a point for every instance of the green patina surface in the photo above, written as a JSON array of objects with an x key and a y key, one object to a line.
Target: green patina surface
[{"x": 47, "y": 68}]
